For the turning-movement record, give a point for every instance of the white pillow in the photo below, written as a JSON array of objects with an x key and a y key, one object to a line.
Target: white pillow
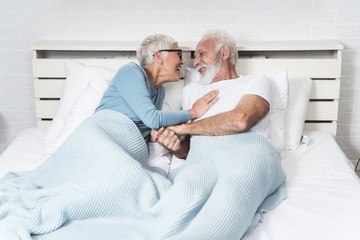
[
  {"x": 78, "y": 77},
  {"x": 280, "y": 88},
  {"x": 299, "y": 93},
  {"x": 191, "y": 75},
  {"x": 173, "y": 95},
  {"x": 83, "y": 107}
]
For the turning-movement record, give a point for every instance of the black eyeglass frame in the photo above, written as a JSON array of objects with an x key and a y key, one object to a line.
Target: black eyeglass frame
[{"x": 179, "y": 51}]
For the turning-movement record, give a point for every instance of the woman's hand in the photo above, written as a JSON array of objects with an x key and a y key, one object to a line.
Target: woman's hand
[
  {"x": 154, "y": 134},
  {"x": 203, "y": 104}
]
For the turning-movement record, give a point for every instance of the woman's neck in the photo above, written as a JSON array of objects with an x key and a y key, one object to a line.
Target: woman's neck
[{"x": 153, "y": 76}]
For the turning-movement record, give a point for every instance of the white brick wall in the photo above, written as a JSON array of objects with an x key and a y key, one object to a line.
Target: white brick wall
[{"x": 23, "y": 22}]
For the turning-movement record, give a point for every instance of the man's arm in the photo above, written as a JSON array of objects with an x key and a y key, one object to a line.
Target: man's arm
[{"x": 251, "y": 109}]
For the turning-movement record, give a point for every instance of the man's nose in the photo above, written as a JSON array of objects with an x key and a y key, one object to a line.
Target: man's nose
[{"x": 196, "y": 61}]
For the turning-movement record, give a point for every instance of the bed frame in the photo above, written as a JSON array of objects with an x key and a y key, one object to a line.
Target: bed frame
[{"x": 318, "y": 60}]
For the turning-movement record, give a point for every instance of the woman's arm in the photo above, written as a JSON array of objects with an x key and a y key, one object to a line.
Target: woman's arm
[{"x": 131, "y": 83}]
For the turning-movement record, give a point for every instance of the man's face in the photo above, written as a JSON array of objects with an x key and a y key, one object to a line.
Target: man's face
[{"x": 207, "y": 61}]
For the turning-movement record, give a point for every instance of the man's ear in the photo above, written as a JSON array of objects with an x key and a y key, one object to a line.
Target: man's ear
[{"x": 225, "y": 53}]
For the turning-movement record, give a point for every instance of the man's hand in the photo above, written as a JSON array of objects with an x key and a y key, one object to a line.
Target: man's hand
[
  {"x": 168, "y": 139},
  {"x": 177, "y": 129}
]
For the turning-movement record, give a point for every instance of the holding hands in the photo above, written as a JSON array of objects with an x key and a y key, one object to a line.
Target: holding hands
[
  {"x": 170, "y": 137},
  {"x": 166, "y": 138}
]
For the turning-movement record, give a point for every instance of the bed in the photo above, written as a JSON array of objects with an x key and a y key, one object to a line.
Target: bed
[{"x": 323, "y": 190}]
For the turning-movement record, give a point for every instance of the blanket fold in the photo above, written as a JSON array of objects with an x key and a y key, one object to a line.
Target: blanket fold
[{"x": 98, "y": 185}]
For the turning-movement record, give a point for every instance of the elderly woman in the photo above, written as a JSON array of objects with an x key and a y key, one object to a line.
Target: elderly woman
[{"x": 136, "y": 91}]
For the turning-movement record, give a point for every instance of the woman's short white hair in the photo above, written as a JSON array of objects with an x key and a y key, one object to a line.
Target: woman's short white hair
[
  {"x": 150, "y": 45},
  {"x": 224, "y": 38}
]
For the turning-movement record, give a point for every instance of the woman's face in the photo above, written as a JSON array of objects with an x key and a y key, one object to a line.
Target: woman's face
[{"x": 172, "y": 64}]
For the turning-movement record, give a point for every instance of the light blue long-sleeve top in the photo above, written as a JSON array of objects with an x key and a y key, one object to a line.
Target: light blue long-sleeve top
[{"x": 131, "y": 94}]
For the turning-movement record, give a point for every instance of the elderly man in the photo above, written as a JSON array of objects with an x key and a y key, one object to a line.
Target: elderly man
[
  {"x": 231, "y": 164},
  {"x": 244, "y": 101}
]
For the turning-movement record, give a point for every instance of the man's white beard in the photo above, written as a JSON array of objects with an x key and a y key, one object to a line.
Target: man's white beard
[{"x": 211, "y": 71}]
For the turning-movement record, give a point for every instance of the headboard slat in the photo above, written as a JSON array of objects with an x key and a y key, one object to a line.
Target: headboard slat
[
  {"x": 48, "y": 88},
  {"x": 325, "y": 89},
  {"x": 46, "y": 108},
  {"x": 321, "y": 89},
  {"x": 317, "y": 111},
  {"x": 297, "y": 68},
  {"x": 326, "y": 111},
  {"x": 324, "y": 127},
  {"x": 55, "y": 68}
]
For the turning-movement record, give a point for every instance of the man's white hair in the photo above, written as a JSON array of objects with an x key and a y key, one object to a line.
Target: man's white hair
[
  {"x": 150, "y": 45},
  {"x": 224, "y": 39}
]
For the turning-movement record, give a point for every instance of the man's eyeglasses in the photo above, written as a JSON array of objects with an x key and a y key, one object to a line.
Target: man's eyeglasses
[{"x": 178, "y": 51}]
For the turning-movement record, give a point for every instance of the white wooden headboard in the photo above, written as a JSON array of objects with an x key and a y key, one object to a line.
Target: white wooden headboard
[{"x": 318, "y": 60}]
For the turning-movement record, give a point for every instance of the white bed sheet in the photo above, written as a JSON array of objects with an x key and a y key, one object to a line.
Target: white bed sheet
[
  {"x": 26, "y": 152},
  {"x": 323, "y": 196},
  {"x": 323, "y": 191}
]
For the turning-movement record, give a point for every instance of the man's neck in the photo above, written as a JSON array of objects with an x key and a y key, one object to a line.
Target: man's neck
[{"x": 225, "y": 73}]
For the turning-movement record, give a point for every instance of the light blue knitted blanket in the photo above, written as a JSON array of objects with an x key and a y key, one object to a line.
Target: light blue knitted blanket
[{"x": 98, "y": 186}]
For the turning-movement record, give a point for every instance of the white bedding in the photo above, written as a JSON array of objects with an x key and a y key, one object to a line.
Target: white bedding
[
  {"x": 26, "y": 152},
  {"x": 323, "y": 190},
  {"x": 323, "y": 195}
]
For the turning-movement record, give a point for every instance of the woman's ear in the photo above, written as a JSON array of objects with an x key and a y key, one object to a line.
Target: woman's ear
[
  {"x": 158, "y": 57},
  {"x": 225, "y": 53}
]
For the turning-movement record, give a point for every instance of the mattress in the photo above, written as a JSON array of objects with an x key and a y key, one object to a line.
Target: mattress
[{"x": 323, "y": 191}]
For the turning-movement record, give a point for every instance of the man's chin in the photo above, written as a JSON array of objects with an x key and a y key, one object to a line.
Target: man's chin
[
  {"x": 210, "y": 73},
  {"x": 208, "y": 77}
]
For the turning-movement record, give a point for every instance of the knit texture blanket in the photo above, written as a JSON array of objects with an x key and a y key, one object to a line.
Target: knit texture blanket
[{"x": 97, "y": 185}]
